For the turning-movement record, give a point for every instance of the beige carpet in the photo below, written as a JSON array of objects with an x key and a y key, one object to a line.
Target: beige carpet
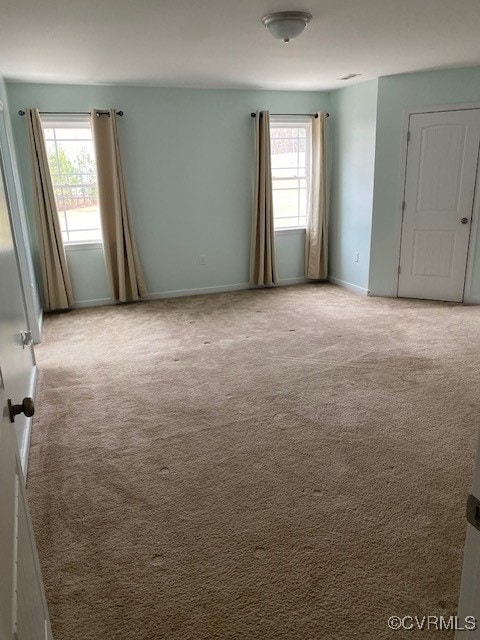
[{"x": 259, "y": 465}]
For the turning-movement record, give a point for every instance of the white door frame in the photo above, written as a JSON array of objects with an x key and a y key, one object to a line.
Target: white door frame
[
  {"x": 468, "y": 106},
  {"x": 20, "y": 229}
]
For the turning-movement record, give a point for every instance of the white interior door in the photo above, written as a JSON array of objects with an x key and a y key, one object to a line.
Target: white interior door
[
  {"x": 23, "y": 608},
  {"x": 439, "y": 193},
  {"x": 17, "y": 360}
]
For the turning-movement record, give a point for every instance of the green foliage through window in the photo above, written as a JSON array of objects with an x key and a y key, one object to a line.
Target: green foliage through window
[{"x": 71, "y": 158}]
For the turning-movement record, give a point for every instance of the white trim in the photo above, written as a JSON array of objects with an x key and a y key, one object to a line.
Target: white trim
[
  {"x": 25, "y": 445},
  {"x": 289, "y": 281},
  {"x": 402, "y": 182},
  {"x": 82, "y": 246},
  {"x": 17, "y": 216},
  {"x": 65, "y": 120},
  {"x": 180, "y": 293},
  {"x": 381, "y": 294},
  {"x": 361, "y": 291},
  {"x": 290, "y": 120},
  {"x": 468, "y": 106},
  {"x": 285, "y": 231},
  {"x": 473, "y": 239},
  {"x": 298, "y": 121},
  {"x": 40, "y": 326},
  {"x": 98, "y": 302},
  {"x": 220, "y": 289},
  {"x": 195, "y": 292}
]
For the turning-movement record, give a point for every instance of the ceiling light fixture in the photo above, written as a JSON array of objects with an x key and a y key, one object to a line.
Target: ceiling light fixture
[{"x": 286, "y": 25}]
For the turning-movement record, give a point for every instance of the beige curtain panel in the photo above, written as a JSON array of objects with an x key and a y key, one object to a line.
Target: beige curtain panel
[
  {"x": 263, "y": 270},
  {"x": 316, "y": 250},
  {"x": 57, "y": 288},
  {"x": 125, "y": 275}
]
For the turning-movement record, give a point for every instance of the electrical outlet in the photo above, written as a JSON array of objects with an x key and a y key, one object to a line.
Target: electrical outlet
[
  {"x": 202, "y": 260},
  {"x": 356, "y": 256}
]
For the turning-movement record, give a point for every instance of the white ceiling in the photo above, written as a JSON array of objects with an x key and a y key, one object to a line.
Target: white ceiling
[{"x": 222, "y": 43}]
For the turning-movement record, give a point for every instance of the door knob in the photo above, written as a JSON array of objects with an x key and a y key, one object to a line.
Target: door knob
[
  {"x": 27, "y": 407},
  {"x": 27, "y": 340},
  {"x": 464, "y": 220}
]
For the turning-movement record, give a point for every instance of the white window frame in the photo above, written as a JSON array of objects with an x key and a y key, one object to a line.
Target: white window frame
[
  {"x": 280, "y": 122},
  {"x": 70, "y": 121}
]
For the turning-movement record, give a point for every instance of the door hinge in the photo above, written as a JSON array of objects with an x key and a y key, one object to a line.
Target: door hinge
[
  {"x": 473, "y": 511},
  {"x": 399, "y": 268},
  {"x": 403, "y": 206},
  {"x": 408, "y": 136}
]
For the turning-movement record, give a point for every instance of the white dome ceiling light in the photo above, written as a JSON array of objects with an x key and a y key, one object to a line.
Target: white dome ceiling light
[{"x": 286, "y": 25}]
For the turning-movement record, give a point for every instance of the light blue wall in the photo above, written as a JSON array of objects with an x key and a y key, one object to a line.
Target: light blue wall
[
  {"x": 87, "y": 272},
  {"x": 395, "y": 94},
  {"x": 354, "y": 113},
  {"x": 188, "y": 157}
]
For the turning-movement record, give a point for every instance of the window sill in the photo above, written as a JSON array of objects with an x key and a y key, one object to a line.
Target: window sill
[
  {"x": 290, "y": 231},
  {"x": 83, "y": 246}
]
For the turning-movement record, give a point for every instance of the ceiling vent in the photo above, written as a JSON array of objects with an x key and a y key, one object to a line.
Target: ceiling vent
[{"x": 349, "y": 76}]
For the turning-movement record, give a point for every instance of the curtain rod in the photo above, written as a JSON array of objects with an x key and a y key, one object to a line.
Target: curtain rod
[
  {"x": 312, "y": 115},
  {"x": 67, "y": 113}
]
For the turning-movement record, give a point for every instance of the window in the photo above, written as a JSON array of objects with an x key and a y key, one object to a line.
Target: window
[
  {"x": 290, "y": 147},
  {"x": 71, "y": 158}
]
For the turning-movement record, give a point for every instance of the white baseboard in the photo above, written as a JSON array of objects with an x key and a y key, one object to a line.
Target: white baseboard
[
  {"x": 25, "y": 444},
  {"x": 348, "y": 285},
  {"x": 180, "y": 293},
  {"x": 220, "y": 289},
  {"x": 289, "y": 281},
  {"x": 377, "y": 294},
  {"x": 196, "y": 292},
  {"x": 100, "y": 302}
]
